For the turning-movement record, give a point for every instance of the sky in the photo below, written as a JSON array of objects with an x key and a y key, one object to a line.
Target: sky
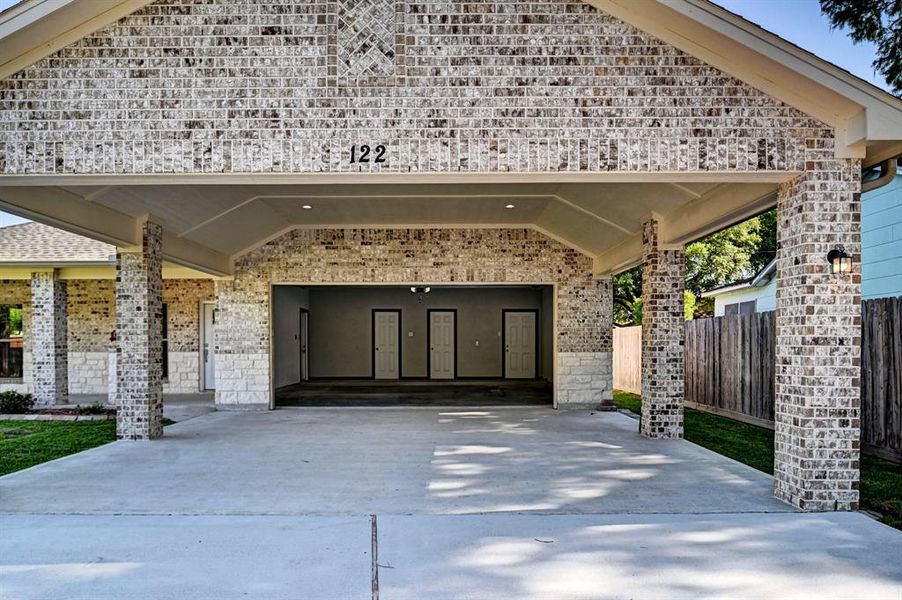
[{"x": 799, "y": 21}]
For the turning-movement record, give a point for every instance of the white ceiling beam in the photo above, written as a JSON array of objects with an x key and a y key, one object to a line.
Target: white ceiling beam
[
  {"x": 68, "y": 211},
  {"x": 592, "y": 215},
  {"x": 721, "y": 207}
]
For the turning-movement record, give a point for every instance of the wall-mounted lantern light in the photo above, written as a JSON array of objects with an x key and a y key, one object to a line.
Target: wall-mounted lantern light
[{"x": 840, "y": 261}]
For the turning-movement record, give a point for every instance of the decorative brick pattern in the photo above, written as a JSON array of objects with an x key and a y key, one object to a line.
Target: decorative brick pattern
[
  {"x": 368, "y": 37},
  {"x": 818, "y": 345},
  {"x": 139, "y": 313},
  {"x": 663, "y": 281},
  {"x": 49, "y": 353},
  {"x": 487, "y": 86},
  {"x": 396, "y": 256}
]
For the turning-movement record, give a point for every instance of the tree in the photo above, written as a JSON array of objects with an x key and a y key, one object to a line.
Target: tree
[
  {"x": 721, "y": 258},
  {"x": 876, "y": 21}
]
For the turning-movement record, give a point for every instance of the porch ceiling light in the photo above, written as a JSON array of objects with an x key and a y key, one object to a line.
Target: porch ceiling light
[
  {"x": 509, "y": 206},
  {"x": 306, "y": 206},
  {"x": 420, "y": 292},
  {"x": 840, "y": 261}
]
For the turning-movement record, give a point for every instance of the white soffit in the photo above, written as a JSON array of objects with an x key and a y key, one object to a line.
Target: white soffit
[{"x": 208, "y": 226}]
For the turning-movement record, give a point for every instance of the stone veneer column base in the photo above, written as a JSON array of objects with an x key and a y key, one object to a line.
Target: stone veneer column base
[
  {"x": 584, "y": 379},
  {"x": 242, "y": 381}
]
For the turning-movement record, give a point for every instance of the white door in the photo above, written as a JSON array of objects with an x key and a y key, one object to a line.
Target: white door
[
  {"x": 387, "y": 351},
  {"x": 519, "y": 345},
  {"x": 209, "y": 355},
  {"x": 441, "y": 344},
  {"x": 303, "y": 339}
]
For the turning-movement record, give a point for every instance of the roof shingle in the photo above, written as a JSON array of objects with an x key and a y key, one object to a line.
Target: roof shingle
[{"x": 39, "y": 243}]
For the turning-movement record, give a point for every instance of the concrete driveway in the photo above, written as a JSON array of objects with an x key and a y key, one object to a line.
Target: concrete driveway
[{"x": 422, "y": 503}]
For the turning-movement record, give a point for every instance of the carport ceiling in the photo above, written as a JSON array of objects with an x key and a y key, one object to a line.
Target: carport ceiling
[{"x": 208, "y": 225}]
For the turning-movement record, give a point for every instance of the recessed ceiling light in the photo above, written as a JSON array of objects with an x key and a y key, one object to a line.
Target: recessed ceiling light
[
  {"x": 509, "y": 206},
  {"x": 306, "y": 207}
]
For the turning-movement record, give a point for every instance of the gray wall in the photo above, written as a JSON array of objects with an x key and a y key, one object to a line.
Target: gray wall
[
  {"x": 341, "y": 328},
  {"x": 287, "y": 302}
]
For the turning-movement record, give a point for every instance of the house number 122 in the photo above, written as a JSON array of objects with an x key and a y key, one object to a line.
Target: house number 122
[{"x": 361, "y": 154}]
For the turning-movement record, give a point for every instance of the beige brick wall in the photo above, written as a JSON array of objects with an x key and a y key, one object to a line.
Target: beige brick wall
[
  {"x": 92, "y": 317},
  {"x": 499, "y": 85},
  {"x": 401, "y": 256}
]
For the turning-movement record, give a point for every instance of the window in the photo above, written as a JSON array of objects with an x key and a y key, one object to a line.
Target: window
[
  {"x": 165, "y": 341},
  {"x": 12, "y": 342},
  {"x": 740, "y": 308}
]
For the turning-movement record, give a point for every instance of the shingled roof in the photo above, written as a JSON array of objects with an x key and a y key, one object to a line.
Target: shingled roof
[{"x": 39, "y": 243}]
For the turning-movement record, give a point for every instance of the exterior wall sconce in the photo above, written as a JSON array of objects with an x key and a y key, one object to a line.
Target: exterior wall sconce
[{"x": 840, "y": 261}]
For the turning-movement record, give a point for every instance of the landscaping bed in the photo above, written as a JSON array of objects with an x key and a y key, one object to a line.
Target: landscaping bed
[
  {"x": 881, "y": 480},
  {"x": 15, "y": 406}
]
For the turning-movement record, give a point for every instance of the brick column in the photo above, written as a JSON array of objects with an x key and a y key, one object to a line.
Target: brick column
[
  {"x": 818, "y": 344},
  {"x": 663, "y": 275},
  {"x": 606, "y": 324},
  {"x": 139, "y": 312},
  {"x": 49, "y": 347}
]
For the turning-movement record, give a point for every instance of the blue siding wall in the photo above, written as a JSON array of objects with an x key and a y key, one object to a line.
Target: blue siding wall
[{"x": 881, "y": 241}]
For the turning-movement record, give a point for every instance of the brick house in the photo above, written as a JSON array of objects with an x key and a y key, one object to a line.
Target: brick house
[
  {"x": 286, "y": 147},
  {"x": 88, "y": 268}
]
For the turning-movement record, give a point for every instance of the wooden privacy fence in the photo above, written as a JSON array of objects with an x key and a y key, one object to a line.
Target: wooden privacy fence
[
  {"x": 881, "y": 377},
  {"x": 628, "y": 359},
  {"x": 730, "y": 362},
  {"x": 730, "y": 366}
]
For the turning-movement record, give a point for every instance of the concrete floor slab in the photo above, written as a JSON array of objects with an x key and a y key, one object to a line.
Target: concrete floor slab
[
  {"x": 177, "y": 557},
  {"x": 479, "y": 503},
  {"x": 394, "y": 461},
  {"x": 571, "y": 557}
]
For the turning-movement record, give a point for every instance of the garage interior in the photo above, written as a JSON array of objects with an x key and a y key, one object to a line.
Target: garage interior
[{"x": 396, "y": 345}]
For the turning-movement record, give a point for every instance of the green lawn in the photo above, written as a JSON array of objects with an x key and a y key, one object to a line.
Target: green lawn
[
  {"x": 881, "y": 480},
  {"x": 24, "y": 444}
]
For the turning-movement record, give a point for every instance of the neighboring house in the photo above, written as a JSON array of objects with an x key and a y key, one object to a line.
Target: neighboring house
[
  {"x": 88, "y": 268},
  {"x": 313, "y": 155},
  {"x": 754, "y": 294},
  {"x": 881, "y": 259}
]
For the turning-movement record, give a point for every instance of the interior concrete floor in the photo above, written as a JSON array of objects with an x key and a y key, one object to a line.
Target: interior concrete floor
[
  {"x": 416, "y": 392},
  {"x": 423, "y": 502}
]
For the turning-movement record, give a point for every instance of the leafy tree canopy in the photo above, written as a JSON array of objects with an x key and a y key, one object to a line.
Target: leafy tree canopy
[
  {"x": 720, "y": 259},
  {"x": 876, "y": 21}
]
